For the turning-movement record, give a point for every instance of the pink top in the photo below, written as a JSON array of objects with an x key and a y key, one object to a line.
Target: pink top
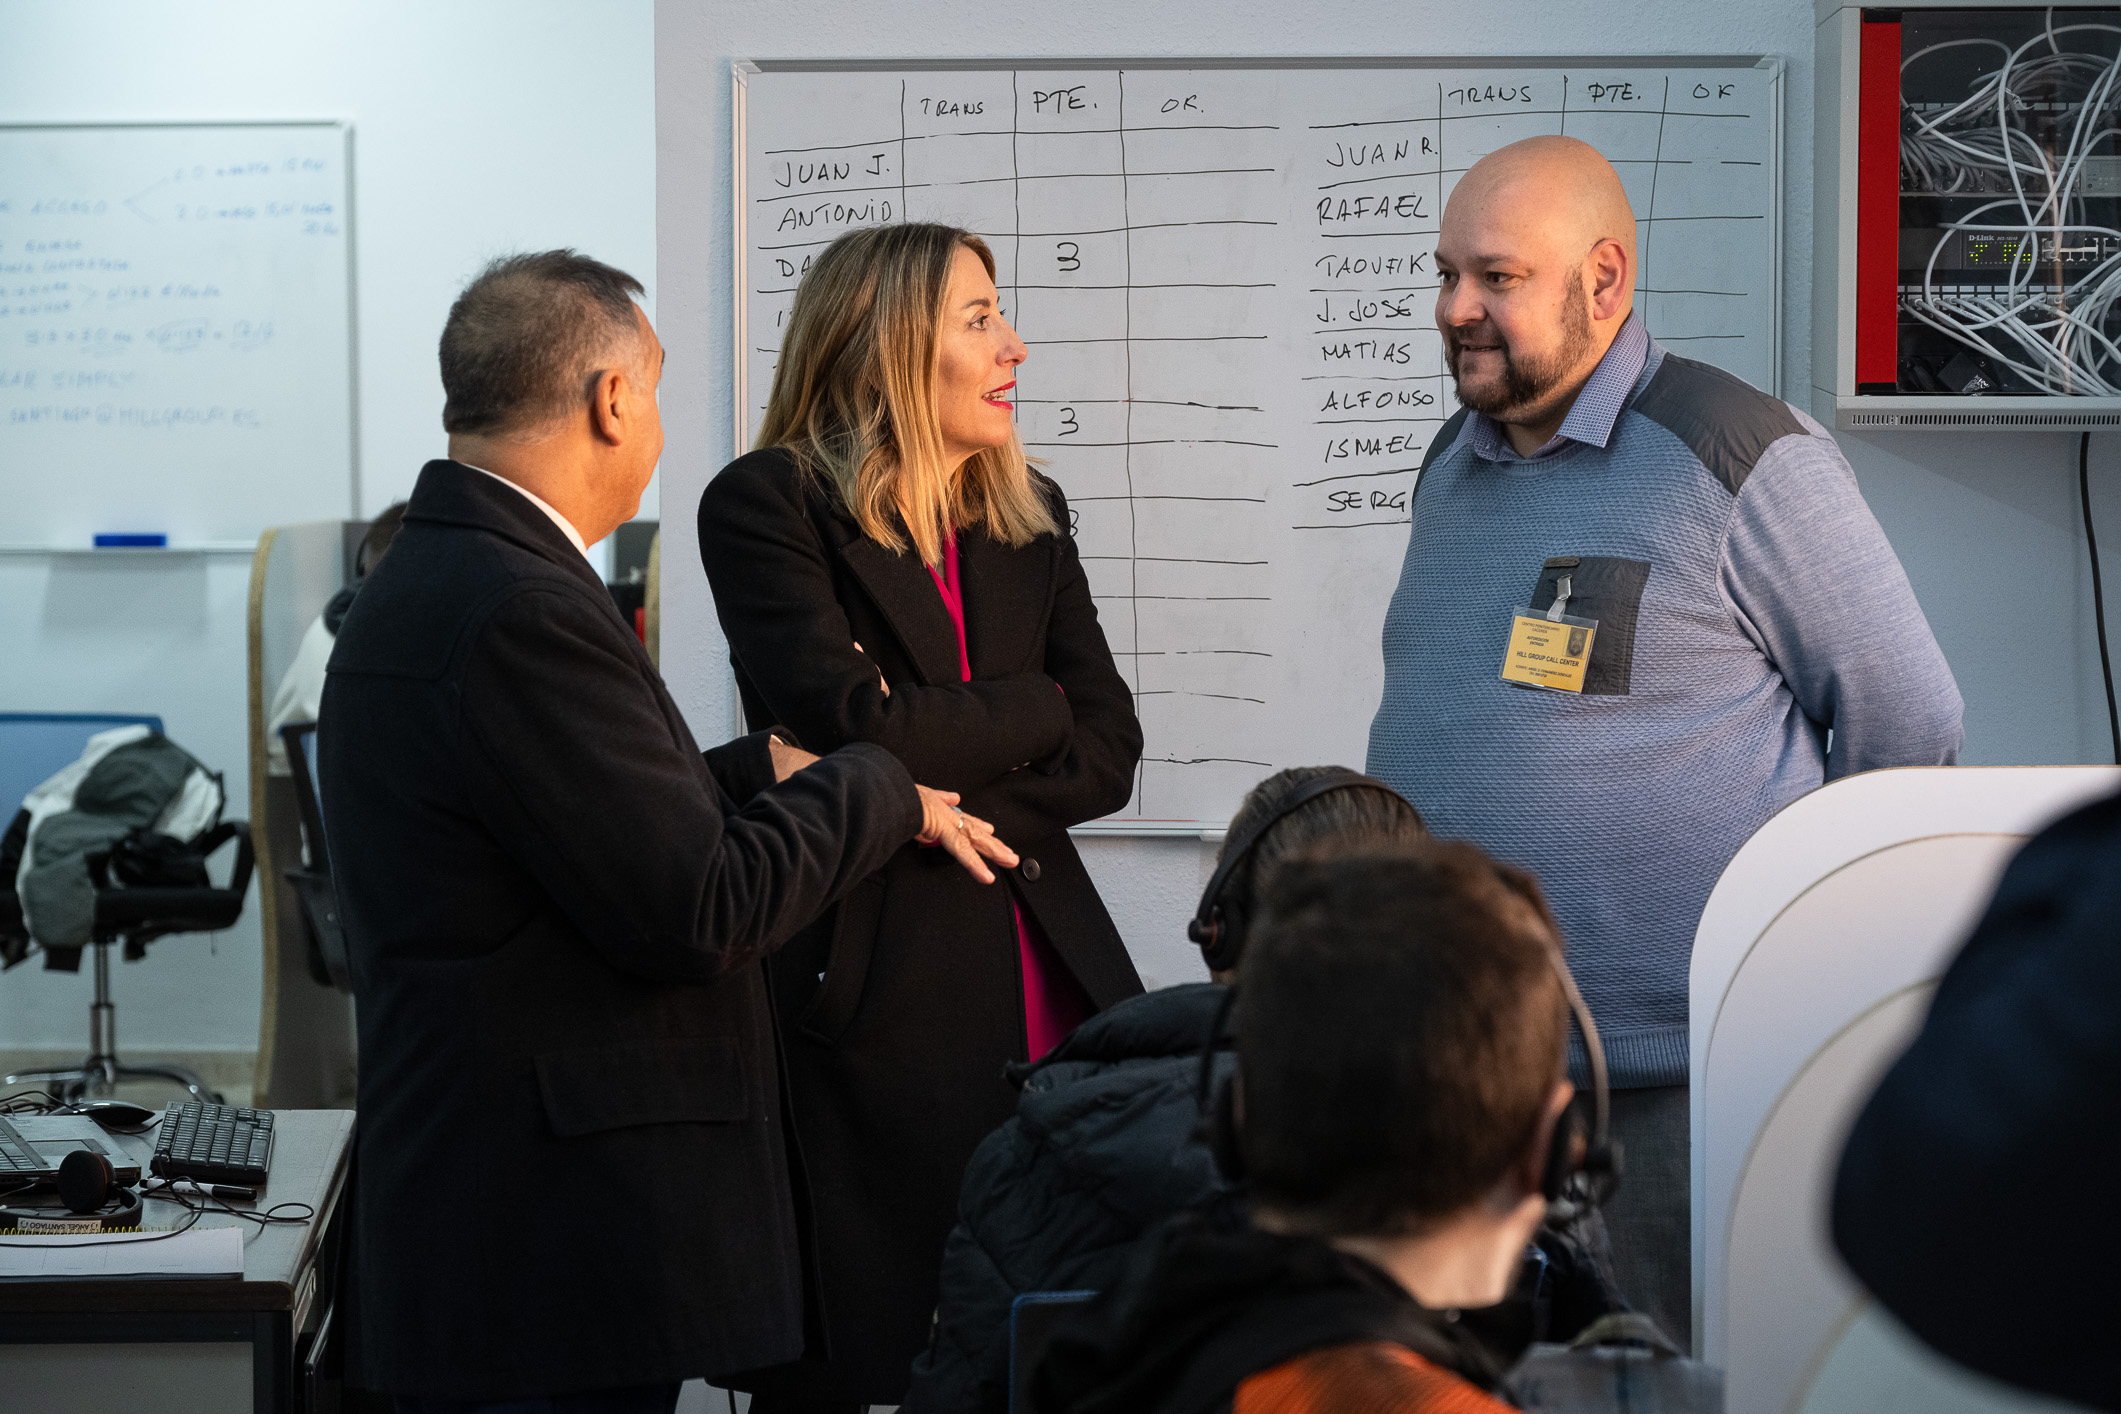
[{"x": 1054, "y": 1002}]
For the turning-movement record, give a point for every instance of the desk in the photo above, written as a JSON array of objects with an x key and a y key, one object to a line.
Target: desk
[{"x": 179, "y": 1345}]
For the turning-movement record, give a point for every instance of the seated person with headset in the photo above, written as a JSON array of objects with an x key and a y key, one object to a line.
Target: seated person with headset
[
  {"x": 1102, "y": 1146},
  {"x": 1402, "y": 1120},
  {"x": 301, "y": 689},
  {"x": 1106, "y": 1143}
]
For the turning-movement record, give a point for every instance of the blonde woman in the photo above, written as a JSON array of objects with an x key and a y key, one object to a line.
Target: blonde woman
[{"x": 888, "y": 569}]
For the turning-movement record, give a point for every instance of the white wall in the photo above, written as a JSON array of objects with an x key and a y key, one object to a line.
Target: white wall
[
  {"x": 1985, "y": 523},
  {"x": 480, "y": 126}
]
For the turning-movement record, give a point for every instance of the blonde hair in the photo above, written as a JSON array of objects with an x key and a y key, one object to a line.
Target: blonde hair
[{"x": 854, "y": 395}]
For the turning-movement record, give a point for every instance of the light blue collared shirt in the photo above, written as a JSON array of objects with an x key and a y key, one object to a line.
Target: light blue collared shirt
[{"x": 1596, "y": 409}]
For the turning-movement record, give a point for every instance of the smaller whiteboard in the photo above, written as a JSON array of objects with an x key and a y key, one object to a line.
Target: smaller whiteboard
[{"x": 175, "y": 330}]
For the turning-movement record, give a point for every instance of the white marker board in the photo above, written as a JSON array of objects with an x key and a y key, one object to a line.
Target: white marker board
[
  {"x": 1224, "y": 274},
  {"x": 175, "y": 330}
]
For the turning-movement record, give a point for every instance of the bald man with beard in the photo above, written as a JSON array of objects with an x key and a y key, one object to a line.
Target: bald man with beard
[{"x": 1716, "y": 626}]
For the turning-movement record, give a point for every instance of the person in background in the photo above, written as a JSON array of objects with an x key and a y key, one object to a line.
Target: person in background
[
  {"x": 572, "y": 1185},
  {"x": 887, "y": 569},
  {"x": 301, "y": 687},
  {"x": 1401, "y": 1029},
  {"x": 1103, "y": 1145},
  {"x": 1733, "y": 605},
  {"x": 1964, "y": 1195}
]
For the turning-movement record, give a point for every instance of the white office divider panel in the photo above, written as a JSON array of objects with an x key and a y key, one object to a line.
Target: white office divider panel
[
  {"x": 1878, "y": 1367},
  {"x": 1813, "y": 966},
  {"x": 175, "y": 329},
  {"x": 1224, "y": 272}
]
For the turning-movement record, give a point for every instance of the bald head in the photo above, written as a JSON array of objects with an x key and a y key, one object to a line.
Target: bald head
[
  {"x": 1536, "y": 270},
  {"x": 1553, "y": 189}
]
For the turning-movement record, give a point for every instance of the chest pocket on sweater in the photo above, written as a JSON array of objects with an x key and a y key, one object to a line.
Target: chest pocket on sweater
[{"x": 1608, "y": 589}]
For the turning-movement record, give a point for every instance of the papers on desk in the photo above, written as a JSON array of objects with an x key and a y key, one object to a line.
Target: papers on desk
[{"x": 201, "y": 1252}]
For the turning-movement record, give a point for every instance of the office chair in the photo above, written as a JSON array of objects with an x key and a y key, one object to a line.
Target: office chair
[
  {"x": 312, "y": 882},
  {"x": 136, "y": 917},
  {"x": 34, "y": 747}
]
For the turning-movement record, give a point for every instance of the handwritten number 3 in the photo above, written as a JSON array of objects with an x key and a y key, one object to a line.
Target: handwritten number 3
[
  {"x": 1069, "y": 426},
  {"x": 1070, "y": 256}
]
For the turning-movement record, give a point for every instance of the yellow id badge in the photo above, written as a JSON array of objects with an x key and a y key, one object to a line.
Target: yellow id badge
[{"x": 1548, "y": 652}]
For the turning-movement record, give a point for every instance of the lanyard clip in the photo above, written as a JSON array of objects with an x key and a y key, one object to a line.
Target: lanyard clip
[{"x": 1563, "y": 588}]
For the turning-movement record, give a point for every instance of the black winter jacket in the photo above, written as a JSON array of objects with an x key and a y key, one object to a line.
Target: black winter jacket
[{"x": 1101, "y": 1150}]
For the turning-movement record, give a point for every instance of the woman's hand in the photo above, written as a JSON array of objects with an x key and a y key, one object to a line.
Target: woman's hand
[
  {"x": 879, "y": 672},
  {"x": 967, "y": 837}
]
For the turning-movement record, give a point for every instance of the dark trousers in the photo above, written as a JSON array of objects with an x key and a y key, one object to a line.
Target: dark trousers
[
  {"x": 1650, "y": 1220},
  {"x": 640, "y": 1399}
]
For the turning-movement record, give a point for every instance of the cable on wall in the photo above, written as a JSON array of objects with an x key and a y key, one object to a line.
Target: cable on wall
[
  {"x": 2091, "y": 540},
  {"x": 2054, "y": 334}
]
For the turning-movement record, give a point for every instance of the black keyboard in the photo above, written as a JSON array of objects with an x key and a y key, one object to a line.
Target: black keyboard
[{"x": 214, "y": 1144}]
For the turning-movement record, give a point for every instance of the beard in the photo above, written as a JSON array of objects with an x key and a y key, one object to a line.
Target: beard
[{"x": 1527, "y": 386}]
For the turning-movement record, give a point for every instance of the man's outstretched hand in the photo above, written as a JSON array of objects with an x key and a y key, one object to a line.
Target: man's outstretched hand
[
  {"x": 787, "y": 760},
  {"x": 970, "y": 840}
]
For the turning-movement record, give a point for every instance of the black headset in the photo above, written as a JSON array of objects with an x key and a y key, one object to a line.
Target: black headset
[
  {"x": 1218, "y": 925},
  {"x": 95, "y": 1200},
  {"x": 1583, "y": 1159}
]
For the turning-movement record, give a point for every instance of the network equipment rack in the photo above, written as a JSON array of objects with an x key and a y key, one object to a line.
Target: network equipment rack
[{"x": 1968, "y": 247}]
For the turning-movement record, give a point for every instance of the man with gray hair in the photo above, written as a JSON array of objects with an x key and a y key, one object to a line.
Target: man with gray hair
[
  {"x": 1638, "y": 596},
  {"x": 572, "y": 1190}
]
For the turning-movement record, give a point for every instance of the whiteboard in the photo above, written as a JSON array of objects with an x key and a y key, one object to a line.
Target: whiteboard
[
  {"x": 175, "y": 330},
  {"x": 1224, "y": 275}
]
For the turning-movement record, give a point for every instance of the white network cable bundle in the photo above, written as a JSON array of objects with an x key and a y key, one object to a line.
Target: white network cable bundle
[{"x": 2049, "y": 321}]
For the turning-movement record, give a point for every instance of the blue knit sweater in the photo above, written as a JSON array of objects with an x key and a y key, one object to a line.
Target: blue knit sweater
[{"x": 1747, "y": 603}]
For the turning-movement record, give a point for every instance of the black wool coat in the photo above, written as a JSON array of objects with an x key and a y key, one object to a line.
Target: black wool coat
[
  {"x": 900, "y": 1007},
  {"x": 569, "y": 1170}
]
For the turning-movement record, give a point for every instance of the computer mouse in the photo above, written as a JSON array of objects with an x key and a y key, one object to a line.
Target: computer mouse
[{"x": 115, "y": 1114}]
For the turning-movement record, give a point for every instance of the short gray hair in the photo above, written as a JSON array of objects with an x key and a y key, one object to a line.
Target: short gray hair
[{"x": 528, "y": 337}]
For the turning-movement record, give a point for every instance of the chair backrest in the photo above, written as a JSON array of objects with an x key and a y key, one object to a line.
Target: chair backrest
[
  {"x": 318, "y": 898},
  {"x": 1812, "y": 968},
  {"x": 301, "y": 739},
  {"x": 1032, "y": 1318},
  {"x": 35, "y": 746}
]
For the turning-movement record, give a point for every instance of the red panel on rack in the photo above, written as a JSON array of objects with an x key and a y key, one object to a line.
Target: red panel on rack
[{"x": 1878, "y": 206}]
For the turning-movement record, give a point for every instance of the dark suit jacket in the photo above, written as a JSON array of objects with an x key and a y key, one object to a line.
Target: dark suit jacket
[
  {"x": 902, "y": 1005},
  {"x": 569, "y": 1171}
]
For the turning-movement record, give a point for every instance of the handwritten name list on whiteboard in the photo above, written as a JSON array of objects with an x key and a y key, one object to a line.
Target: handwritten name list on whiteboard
[
  {"x": 175, "y": 336},
  {"x": 1226, "y": 280}
]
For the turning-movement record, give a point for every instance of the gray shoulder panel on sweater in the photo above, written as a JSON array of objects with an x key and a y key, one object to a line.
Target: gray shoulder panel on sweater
[
  {"x": 1446, "y": 436},
  {"x": 1724, "y": 420}
]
